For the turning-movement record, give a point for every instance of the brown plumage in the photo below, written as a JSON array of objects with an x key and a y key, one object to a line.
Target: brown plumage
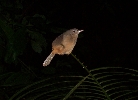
[{"x": 63, "y": 44}]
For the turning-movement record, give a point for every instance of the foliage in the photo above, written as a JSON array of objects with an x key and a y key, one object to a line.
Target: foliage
[
  {"x": 116, "y": 84},
  {"x": 24, "y": 35},
  {"x": 18, "y": 37}
]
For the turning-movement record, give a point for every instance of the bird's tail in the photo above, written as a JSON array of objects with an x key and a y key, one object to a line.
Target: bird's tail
[{"x": 48, "y": 59}]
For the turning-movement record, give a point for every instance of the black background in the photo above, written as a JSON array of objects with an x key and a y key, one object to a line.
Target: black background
[{"x": 109, "y": 39}]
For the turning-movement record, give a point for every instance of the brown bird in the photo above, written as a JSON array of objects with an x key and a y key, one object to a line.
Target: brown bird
[{"x": 63, "y": 44}]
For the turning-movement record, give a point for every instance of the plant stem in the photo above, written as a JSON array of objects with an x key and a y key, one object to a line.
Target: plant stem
[{"x": 85, "y": 67}]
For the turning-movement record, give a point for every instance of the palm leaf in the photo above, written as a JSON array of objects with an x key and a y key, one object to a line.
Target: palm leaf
[{"x": 107, "y": 83}]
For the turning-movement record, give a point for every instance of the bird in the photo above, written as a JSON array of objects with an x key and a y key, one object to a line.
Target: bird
[{"x": 63, "y": 44}]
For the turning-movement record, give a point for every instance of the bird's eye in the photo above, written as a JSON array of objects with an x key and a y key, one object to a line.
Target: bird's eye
[{"x": 74, "y": 31}]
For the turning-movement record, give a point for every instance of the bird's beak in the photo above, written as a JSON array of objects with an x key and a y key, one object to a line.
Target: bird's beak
[{"x": 80, "y": 31}]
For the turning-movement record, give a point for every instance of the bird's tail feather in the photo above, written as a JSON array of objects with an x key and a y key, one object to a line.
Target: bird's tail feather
[{"x": 48, "y": 59}]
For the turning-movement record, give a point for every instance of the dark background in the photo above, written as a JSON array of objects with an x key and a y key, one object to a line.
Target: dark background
[
  {"x": 28, "y": 28},
  {"x": 109, "y": 38}
]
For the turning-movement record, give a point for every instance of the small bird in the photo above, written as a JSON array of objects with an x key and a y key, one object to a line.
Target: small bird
[{"x": 63, "y": 44}]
